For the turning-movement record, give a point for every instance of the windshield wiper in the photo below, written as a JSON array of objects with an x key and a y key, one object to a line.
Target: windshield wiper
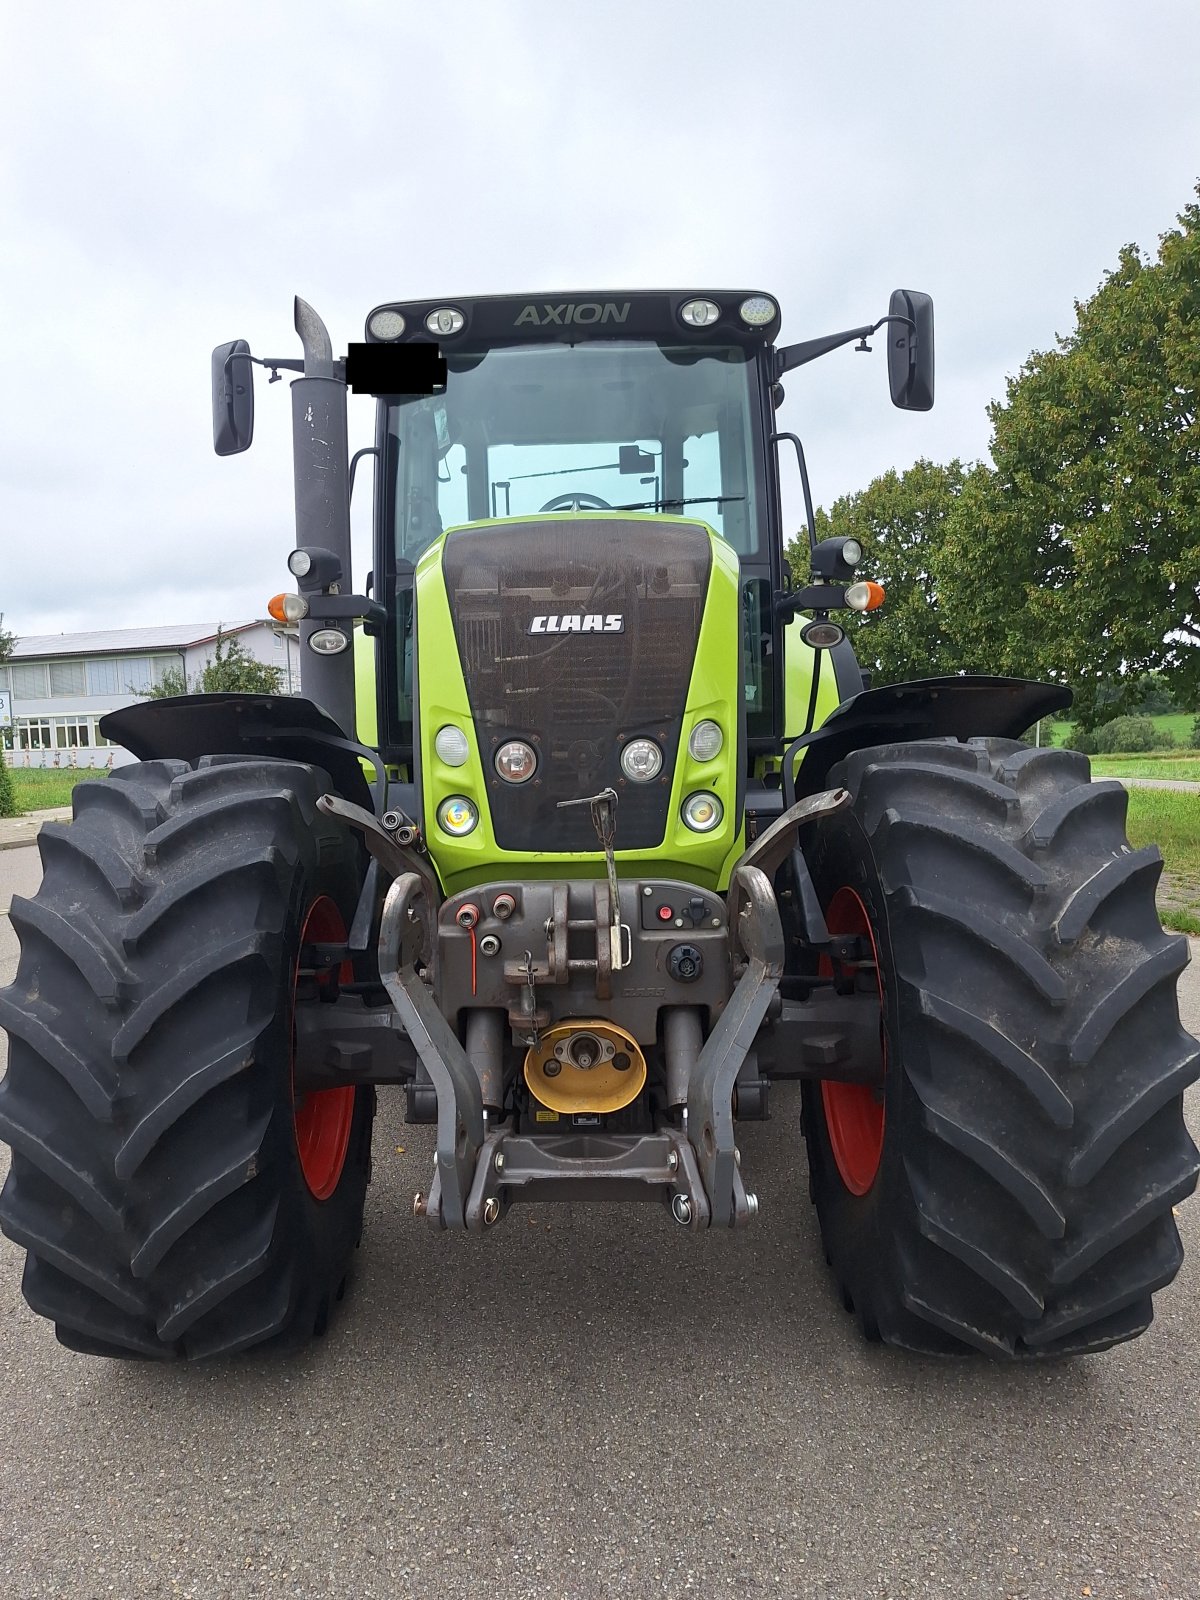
[{"x": 692, "y": 500}]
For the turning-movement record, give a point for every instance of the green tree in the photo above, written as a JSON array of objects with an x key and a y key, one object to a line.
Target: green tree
[
  {"x": 900, "y": 520},
  {"x": 230, "y": 670},
  {"x": 1078, "y": 558}
]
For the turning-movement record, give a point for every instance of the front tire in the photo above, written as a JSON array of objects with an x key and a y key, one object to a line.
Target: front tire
[
  {"x": 1012, "y": 1191},
  {"x": 173, "y": 1199}
]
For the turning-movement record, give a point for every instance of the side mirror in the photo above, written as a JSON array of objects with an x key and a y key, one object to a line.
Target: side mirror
[
  {"x": 910, "y": 350},
  {"x": 233, "y": 398}
]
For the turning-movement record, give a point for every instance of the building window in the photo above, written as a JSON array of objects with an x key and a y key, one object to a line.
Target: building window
[
  {"x": 72, "y": 733},
  {"x": 135, "y": 675},
  {"x": 160, "y": 666},
  {"x": 33, "y": 733},
  {"x": 67, "y": 678},
  {"x": 102, "y": 678},
  {"x": 30, "y": 680}
]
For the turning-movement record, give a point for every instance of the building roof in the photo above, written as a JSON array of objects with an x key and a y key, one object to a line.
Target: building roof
[{"x": 126, "y": 641}]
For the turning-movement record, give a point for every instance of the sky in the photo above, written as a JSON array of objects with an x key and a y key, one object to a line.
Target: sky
[{"x": 170, "y": 176}]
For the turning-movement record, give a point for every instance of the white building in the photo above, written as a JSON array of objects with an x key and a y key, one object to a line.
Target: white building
[{"x": 61, "y": 684}]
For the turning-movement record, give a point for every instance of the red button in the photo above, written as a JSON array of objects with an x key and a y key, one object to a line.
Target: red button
[{"x": 665, "y": 913}]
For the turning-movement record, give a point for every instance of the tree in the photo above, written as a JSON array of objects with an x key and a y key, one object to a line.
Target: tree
[
  {"x": 7, "y": 640},
  {"x": 232, "y": 670},
  {"x": 900, "y": 520},
  {"x": 1078, "y": 558}
]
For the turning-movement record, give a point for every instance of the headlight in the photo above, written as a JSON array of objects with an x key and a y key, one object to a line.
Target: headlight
[
  {"x": 641, "y": 760},
  {"x": 700, "y": 313},
  {"x": 451, "y": 745},
  {"x": 445, "y": 320},
  {"x": 705, "y": 741},
  {"x": 516, "y": 762},
  {"x": 386, "y": 324},
  {"x": 851, "y": 552},
  {"x": 757, "y": 311},
  {"x": 702, "y": 811},
  {"x": 457, "y": 816}
]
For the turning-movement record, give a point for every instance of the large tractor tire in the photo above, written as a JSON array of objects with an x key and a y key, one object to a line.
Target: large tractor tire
[
  {"x": 1011, "y": 1188},
  {"x": 174, "y": 1199}
]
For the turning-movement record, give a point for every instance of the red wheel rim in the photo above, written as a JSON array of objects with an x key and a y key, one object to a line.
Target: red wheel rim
[
  {"x": 853, "y": 1115},
  {"x": 323, "y": 1118}
]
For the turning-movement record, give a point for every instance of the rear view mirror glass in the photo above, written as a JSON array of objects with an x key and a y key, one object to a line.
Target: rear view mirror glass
[
  {"x": 233, "y": 398},
  {"x": 910, "y": 350}
]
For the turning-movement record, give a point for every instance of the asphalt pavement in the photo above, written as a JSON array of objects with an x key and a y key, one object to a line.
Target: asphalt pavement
[{"x": 591, "y": 1403}]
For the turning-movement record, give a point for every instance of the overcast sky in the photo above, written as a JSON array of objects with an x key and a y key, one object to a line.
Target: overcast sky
[{"x": 171, "y": 175}]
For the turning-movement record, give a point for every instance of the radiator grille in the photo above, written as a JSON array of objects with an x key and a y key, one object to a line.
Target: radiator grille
[{"x": 577, "y": 697}]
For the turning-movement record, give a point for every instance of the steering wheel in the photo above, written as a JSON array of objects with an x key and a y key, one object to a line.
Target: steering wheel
[{"x": 576, "y": 502}]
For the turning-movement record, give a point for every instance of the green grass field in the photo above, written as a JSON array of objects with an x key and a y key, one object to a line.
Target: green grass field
[
  {"x": 1171, "y": 820},
  {"x": 39, "y": 790},
  {"x": 1167, "y": 764}
]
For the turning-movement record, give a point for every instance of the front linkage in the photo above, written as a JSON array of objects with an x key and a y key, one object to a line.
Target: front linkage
[{"x": 689, "y": 1159}]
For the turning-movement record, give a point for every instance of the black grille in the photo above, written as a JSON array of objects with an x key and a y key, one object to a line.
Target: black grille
[{"x": 577, "y": 697}]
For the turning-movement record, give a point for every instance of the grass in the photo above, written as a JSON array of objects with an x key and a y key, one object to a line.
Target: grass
[
  {"x": 40, "y": 789},
  {"x": 1171, "y": 820},
  {"x": 1164, "y": 764},
  {"x": 1177, "y": 723}
]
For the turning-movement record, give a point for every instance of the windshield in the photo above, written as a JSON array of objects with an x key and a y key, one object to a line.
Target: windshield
[{"x": 618, "y": 425}]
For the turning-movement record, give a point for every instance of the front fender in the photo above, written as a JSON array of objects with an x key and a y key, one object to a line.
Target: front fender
[
  {"x": 289, "y": 727},
  {"x": 930, "y": 708}
]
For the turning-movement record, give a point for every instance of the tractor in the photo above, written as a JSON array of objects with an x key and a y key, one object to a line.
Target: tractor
[{"x": 585, "y": 830}]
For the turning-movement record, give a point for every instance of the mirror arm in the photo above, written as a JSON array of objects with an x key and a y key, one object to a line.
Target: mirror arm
[{"x": 798, "y": 355}]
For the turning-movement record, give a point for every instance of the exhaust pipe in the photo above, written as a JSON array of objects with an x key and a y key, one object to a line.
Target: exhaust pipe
[{"x": 321, "y": 457}]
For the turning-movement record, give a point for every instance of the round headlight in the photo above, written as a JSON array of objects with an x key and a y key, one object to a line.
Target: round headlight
[
  {"x": 702, "y": 812},
  {"x": 758, "y": 310},
  {"x": 516, "y": 762},
  {"x": 386, "y": 325},
  {"x": 457, "y": 816},
  {"x": 300, "y": 563},
  {"x": 705, "y": 741},
  {"x": 451, "y": 745},
  {"x": 851, "y": 552},
  {"x": 445, "y": 320},
  {"x": 641, "y": 760},
  {"x": 700, "y": 313}
]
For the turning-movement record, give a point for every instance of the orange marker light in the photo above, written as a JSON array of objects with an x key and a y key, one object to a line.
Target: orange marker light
[
  {"x": 287, "y": 607},
  {"x": 865, "y": 596}
]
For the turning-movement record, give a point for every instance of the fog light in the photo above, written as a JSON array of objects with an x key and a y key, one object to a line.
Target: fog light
[
  {"x": 451, "y": 745},
  {"x": 445, "y": 320},
  {"x": 328, "y": 641},
  {"x": 702, "y": 812},
  {"x": 457, "y": 816},
  {"x": 822, "y": 635},
  {"x": 758, "y": 310},
  {"x": 386, "y": 325},
  {"x": 516, "y": 762},
  {"x": 641, "y": 760},
  {"x": 700, "y": 313},
  {"x": 705, "y": 741}
]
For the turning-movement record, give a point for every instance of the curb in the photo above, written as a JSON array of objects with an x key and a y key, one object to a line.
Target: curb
[{"x": 17, "y": 832}]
